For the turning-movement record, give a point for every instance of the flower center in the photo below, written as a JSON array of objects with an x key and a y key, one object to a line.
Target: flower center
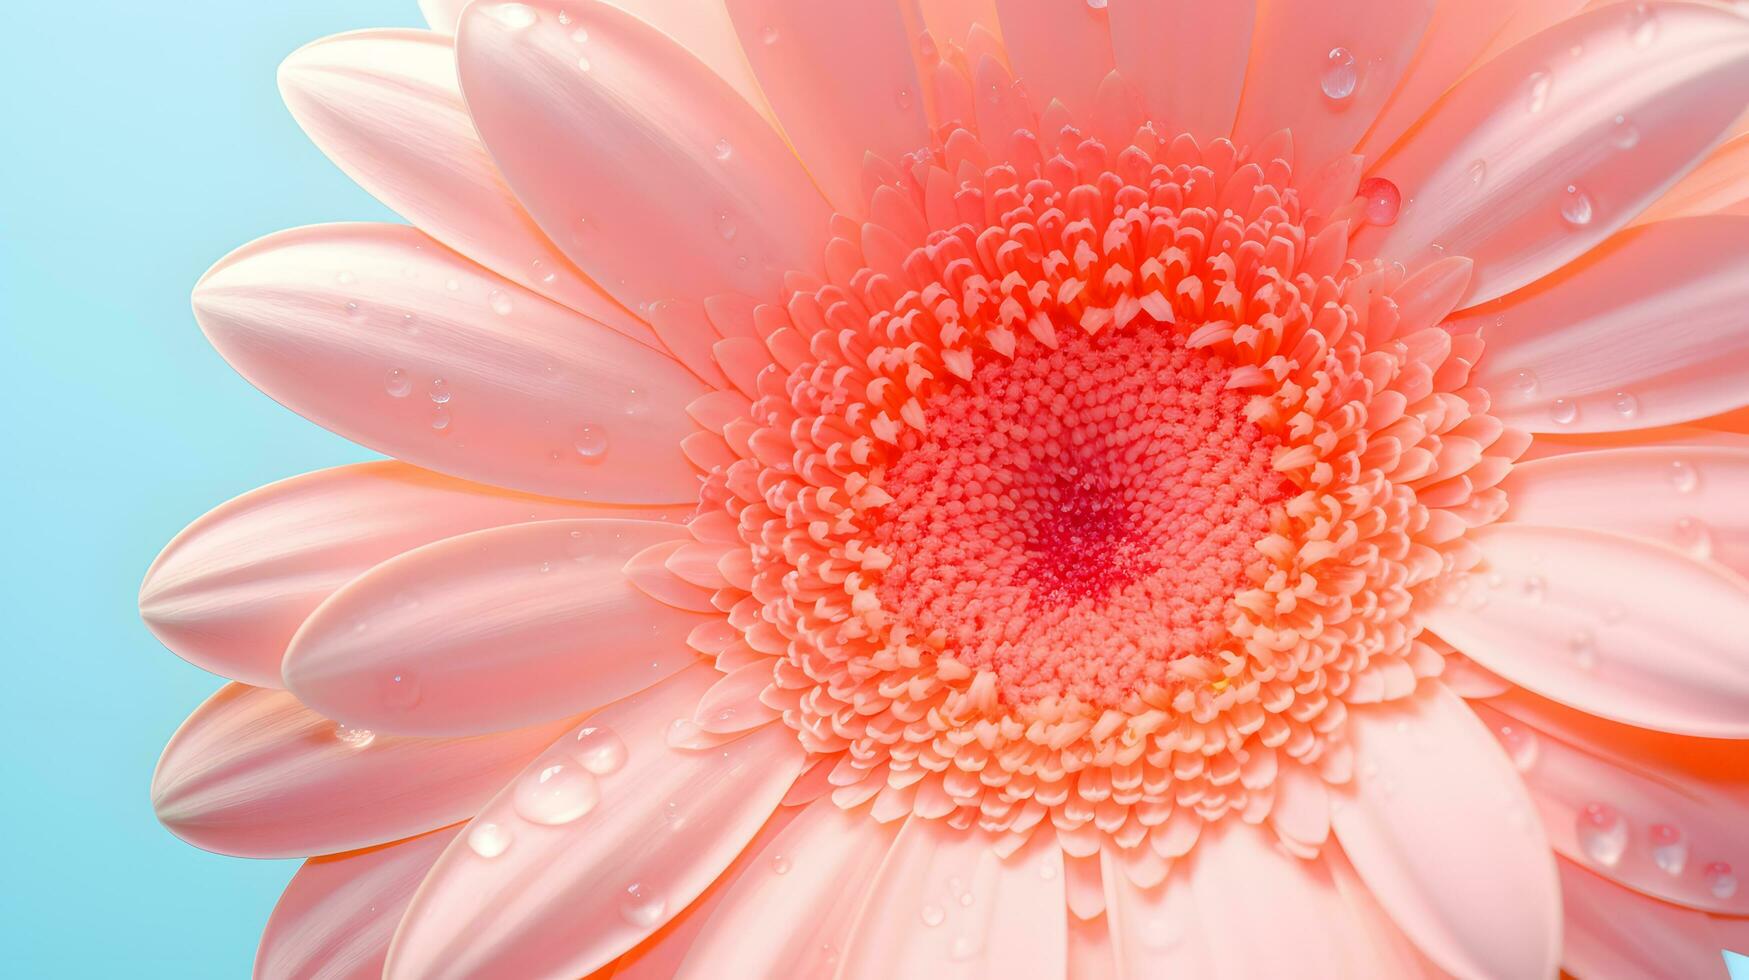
[{"x": 1076, "y": 519}]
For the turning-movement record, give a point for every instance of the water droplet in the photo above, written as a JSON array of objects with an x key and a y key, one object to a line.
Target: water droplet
[
  {"x": 1624, "y": 134},
  {"x": 353, "y": 310},
  {"x": 641, "y": 906},
  {"x": 1584, "y": 648},
  {"x": 600, "y": 750},
  {"x": 903, "y": 99},
  {"x": 358, "y": 738},
  {"x": 1340, "y": 74},
  {"x": 1626, "y": 405},
  {"x": 580, "y": 36},
  {"x": 555, "y": 793},
  {"x": 438, "y": 391},
  {"x": 769, "y": 35},
  {"x": 672, "y": 816},
  {"x": 726, "y": 226},
  {"x": 1383, "y": 200},
  {"x": 1669, "y": 849},
  {"x": 1642, "y": 25},
  {"x": 488, "y": 840},
  {"x": 564, "y": 17},
  {"x": 514, "y": 15},
  {"x": 1521, "y": 745},
  {"x": 1096, "y": 4},
  {"x": 933, "y": 915},
  {"x": 591, "y": 442},
  {"x": 1538, "y": 86},
  {"x": 1683, "y": 477},
  {"x": 1721, "y": 880},
  {"x": 779, "y": 864},
  {"x": 499, "y": 300},
  {"x": 401, "y": 690},
  {"x": 965, "y": 947},
  {"x": 1694, "y": 537},
  {"x": 453, "y": 285},
  {"x": 546, "y": 566},
  {"x": 724, "y": 150},
  {"x": 439, "y": 417},
  {"x": 682, "y": 733},
  {"x": 1564, "y": 411},
  {"x": 1524, "y": 382},
  {"x": 582, "y": 62},
  {"x": 1535, "y": 588},
  {"x": 1602, "y": 833},
  {"x": 398, "y": 385},
  {"x": 1576, "y": 206},
  {"x": 1478, "y": 172}
]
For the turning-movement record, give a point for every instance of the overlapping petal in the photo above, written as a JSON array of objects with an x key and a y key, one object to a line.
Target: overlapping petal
[{"x": 1186, "y": 58}]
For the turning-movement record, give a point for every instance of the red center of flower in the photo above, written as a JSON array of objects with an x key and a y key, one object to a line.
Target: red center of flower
[{"x": 1075, "y": 520}]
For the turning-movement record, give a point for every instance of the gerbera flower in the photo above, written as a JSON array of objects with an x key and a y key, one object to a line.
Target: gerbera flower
[{"x": 951, "y": 488}]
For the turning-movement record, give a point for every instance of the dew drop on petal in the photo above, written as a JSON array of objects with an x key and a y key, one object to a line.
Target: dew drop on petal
[
  {"x": 965, "y": 947},
  {"x": 439, "y": 418},
  {"x": 555, "y": 793},
  {"x": 1624, "y": 134},
  {"x": 1535, "y": 588},
  {"x": 1626, "y": 405},
  {"x": 1096, "y": 4},
  {"x": 1721, "y": 880},
  {"x": 1584, "y": 648},
  {"x": 641, "y": 906},
  {"x": 1642, "y": 25},
  {"x": 1694, "y": 537},
  {"x": 1524, "y": 382},
  {"x": 1520, "y": 744},
  {"x": 499, "y": 300},
  {"x": 1564, "y": 411},
  {"x": 1477, "y": 172},
  {"x": 353, "y": 310},
  {"x": 1340, "y": 74},
  {"x": 1539, "y": 84},
  {"x": 591, "y": 442},
  {"x": 582, "y": 62},
  {"x": 1576, "y": 207},
  {"x": 358, "y": 738},
  {"x": 902, "y": 99},
  {"x": 768, "y": 35},
  {"x": 438, "y": 391},
  {"x": 514, "y": 15},
  {"x": 779, "y": 864},
  {"x": 1602, "y": 834},
  {"x": 488, "y": 840},
  {"x": 723, "y": 150},
  {"x": 932, "y": 915},
  {"x": 1383, "y": 200},
  {"x": 726, "y": 226},
  {"x": 398, "y": 385},
  {"x": 580, "y": 36},
  {"x": 600, "y": 750},
  {"x": 1683, "y": 477},
  {"x": 1669, "y": 849}
]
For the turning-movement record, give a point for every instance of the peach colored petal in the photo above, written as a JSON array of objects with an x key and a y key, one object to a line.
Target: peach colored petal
[
  {"x": 1092, "y": 956},
  {"x": 842, "y": 82},
  {"x": 790, "y": 914},
  {"x": 1455, "y": 38},
  {"x": 1529, "y": 18},
  {"x": 1619, "y": 627},
  {"x": 1323, "y": 71},
  {"x": 1558, "y": 172},
  {"x": 1720, "y": 185},
  {"x": 1439, "y": 827},
  {"x": 256, "y": 774},
  {"x": 1612, "y": 932},
  {"x": 1058, "y": 51},
  {"x": 442, "y": 15},
  {"x": 1644, "y": 331},
  {"x": 1187, "y": 58},
  {"x": 230, "y": 590},
  {"x": 533, "y": 887},
  {"x": 489, "y": 630},
  {"x": 337, "y": 915},
  {"x": 1655, "y": 834},
  {"x": 952, "y": 20},
  {"x": 386, "y": 107},
  {"x": 386, "y": 337},
  {"x": 1641, "y": 492},
  {"x": 651, "y": 174},
  {"x": 915, "y": 922}
]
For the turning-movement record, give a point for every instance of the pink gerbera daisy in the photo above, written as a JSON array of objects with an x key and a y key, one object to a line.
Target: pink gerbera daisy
[{"x": 996, "y": 488}]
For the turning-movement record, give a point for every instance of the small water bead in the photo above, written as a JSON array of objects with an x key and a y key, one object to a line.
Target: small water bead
[
  {"x": 1683, "y": 477},
  {"x": 965, "y": 947},
  {"x": 1383, "y": 201},
  {"x": 439, "y": 418},
  {"x": 1565, "y": 411},
  {"x": 726, "y": 226},
  {"x": 683, "y": 733},
  {"x": 779, "y": 864},
  {"x": 358, "y": 738},
  {"x": 1576, "y": 206},
  {"x": 1624, "y": 134},
  {"x": 1669, "y": 849},
  {"x": 583, "y": 62},
  {"x": 398, "y": 384},
  {"x": 1721, "y": 880},
  {"x": 439, "y": 391},
  {"x": 1538, "y": 87},
  {"x": 1535, "y": 588},
  {"x": 1626, "y": 405},
  {"x": 453, "y": 285},
  {"x": 1477, "y": 172},
  {"x": 580, "y": 35},
  {"x": 903, "y": 99},
  {"x": 1602, "y": 834},
  {"x": 488, "y": 840},
  {"x": 1340, "y": 74},
  {"x": 546, "y": 566},
  {"x": 1524, "y": 382},
  {"x": 768, "y": 35},
  {"x": 1694, "y": 537},
  {"x": 641, "y": 906},
  {"x": 400, "y": 690},
  {"x": 499, "y": 300},
  {"x": 672, "y": 816},
  {"x": 723, "y": 150},
  {"x": 600, "y": 750},
  {"x": 353, "y": 310},
  {"x": 1642, "y": 25},
  {"x": 932, "y": 915},
  {"x": 1584, "y": 648},
  {"x": 1520, "y": 744},
  {"x": 591, "y": 442}
]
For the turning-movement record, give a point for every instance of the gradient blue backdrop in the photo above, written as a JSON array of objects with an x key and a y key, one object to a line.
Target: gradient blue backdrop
[{"x": 139, "y": 142}]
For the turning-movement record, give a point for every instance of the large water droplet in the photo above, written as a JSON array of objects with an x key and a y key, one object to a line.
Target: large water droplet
[
  {"x": 488, "y": 840},
  {"x": 641, "y": 906},
  {"x": 1602, "y": 834},
  {"x": 723, "y": 150},
  {"x": 555, "y": 793},
  {"x": 515, "y": 16},
  {"x": 1683, "y": 477},
  {"x": 1626, "y": 405},
  {"x": 591, "y": 442},
  {"x": 1383, "y": 200},
  {"x": 358, "y": 738},
  {"x": 1524, "y": 382},
  {"x": 499, "y": 300},
  {"x": 1669, "y": 849},
  {"x": 932, "y": 915},
  {"x": 1340, "y": 74},
  {"x": 1521, "y": 745},
  {"x": 1538, "y": 86},
  {"x": 439, "y": 417},
  {"x": 1721, "y": 880},
  {"x": 600, "y": 750},
  {"x": 398, "y": 385},
  {"x": 401, "y": 690},
  {"x": 1565, "y": 411},
  {"x": 1576, "y": 207},
  {"x": 438, "y": 391}
]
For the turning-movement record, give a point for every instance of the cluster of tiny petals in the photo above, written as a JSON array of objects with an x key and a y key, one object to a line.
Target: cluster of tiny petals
[{"x": 1165, "y": 299}]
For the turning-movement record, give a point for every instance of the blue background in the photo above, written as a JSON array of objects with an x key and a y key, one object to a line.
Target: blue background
[{"x": 142, "y": 142}]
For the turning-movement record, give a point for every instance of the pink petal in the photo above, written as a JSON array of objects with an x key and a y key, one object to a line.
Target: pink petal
[
  {"x": 493, "y": 629},
  {"x": 386, "y": 337},
  {"x": 1615, "y": 626},
  {"x": 1455, "y": 38},
  {"x": 336, "y": 917},
  {"x": 1540, "y": 120},
  {"x": 1654, "y": 833},
  {"x": 228, "y": 593},
  {"x": 842, "y": 82},
  {"x": 790, "y": 914},
  {"x": 256, "y": 774},
  {"x": 1187, "y": 57},
  {"x": 534, "y": 888},
  {"x": 1058, "y": 51},
  {"x": 914, "y": 922},
  {"x": 1644, "y": 331},
  {"x": 652, "y": 175},
  {"x": 1439, "y": 827},
  {"x": 1323, "y": 71},
  {"x": 1091, "y": 951},
  {"x": 1720, "y": 185},
  {"x": 1690, "y": 498},
  {"x": 1612, "y": 932}
]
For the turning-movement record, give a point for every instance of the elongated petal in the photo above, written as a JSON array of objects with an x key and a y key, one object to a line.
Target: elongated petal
[
  {"x": 1323, "y": 71},
  {"x": 916, "y": 924},
  {"x": 1654, "y": 834},
  {"x": 842, "y": 82},
  {"x": 1612, "y": 932},
  {"x": 490, "y": 630},
  {"x": 1689, "y": 497},
  {"x": 792, "y": 911},
  {"x": 570, "y": 867},
  {"x": 1645, "y": 331},
  {"x": 386, "y": 107},
  {"x": 384, "y": 336},
  {"x": 1188, "y": 59},
  {"x": 255, "y": 773},
  {"x": 1720, "y": 185},
  {"x": 1541, "y": 119},
  {"x": 335, "y": 919},
  {"x": 1058, "y": 51},
  {"x": 652, "y": 175},
  {"x": 1439, "y": 827},
  {"x": 1456, "y": 36},
  {"x": 1615, "y": 626},
  {"x": 229, "y": 591}
]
